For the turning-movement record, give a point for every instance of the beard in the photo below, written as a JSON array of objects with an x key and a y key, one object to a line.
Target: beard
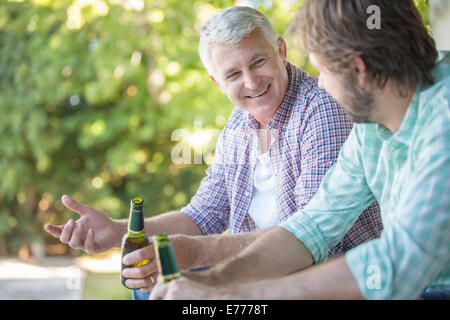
[{"x": 359, "y": 103}]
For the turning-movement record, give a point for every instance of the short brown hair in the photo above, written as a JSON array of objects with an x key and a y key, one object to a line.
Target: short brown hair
[{"x": 401, "y": 50}]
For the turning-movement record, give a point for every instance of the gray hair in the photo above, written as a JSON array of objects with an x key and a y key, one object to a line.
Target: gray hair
[{"x": 229, "y": 26}]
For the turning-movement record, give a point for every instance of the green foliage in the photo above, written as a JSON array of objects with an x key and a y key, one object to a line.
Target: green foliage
[
  {"x": 90, "y": 93},
  {"x": 422, "y": 5}
]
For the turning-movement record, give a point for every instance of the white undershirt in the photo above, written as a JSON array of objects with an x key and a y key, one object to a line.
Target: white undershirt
[{"x": 263, "y": 208}]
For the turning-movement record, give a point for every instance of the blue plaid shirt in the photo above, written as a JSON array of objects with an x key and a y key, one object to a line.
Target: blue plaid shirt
[{"x": 309, "y": 129}]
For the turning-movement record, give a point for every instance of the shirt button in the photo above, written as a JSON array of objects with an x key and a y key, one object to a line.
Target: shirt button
[{"x": 247, "y": 193}]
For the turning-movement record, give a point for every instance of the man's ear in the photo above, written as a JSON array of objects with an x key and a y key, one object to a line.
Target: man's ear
[
  {"x": 282, "y": 49},
  {"x": 216, "y": 83},
  {"x": 359, "y": 70}
]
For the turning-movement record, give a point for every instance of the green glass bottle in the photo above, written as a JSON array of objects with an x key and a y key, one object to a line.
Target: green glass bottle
[
  {"x": 167, "y": 265},
  {"x": 135, "y": 238}
]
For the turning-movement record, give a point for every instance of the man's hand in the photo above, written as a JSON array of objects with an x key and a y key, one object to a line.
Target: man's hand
[
  {"x": 186, "y": 289},
  {"x": 94, "y": 232},
  {"x": 143, "y": 277},
  {"x": 185, "y": 249}
]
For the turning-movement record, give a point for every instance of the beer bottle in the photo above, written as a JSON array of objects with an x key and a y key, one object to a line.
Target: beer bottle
[
  {"x": 167, "y": 265},
  {"x": 135, "y": 238}
]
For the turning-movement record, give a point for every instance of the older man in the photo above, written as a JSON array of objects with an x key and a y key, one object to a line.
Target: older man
[
  {"x": 394, "y": 84},
  {"x": 281, "y": 139}
]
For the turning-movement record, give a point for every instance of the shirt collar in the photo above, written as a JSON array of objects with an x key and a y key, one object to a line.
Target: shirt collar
[
  {"x": 404, "y": 134},
  {"x": 442, "y": 55}
]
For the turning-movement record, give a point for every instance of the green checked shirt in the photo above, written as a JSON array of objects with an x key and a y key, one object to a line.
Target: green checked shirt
[{"x": 408, "y": 173}]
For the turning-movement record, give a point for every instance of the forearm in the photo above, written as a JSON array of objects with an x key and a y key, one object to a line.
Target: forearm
[
  {"x": 327, "y": 281},
  {"x": 213, "y": 249},
  {"x": 275, "y": 253},
  {"x": 171, "y": 223}
]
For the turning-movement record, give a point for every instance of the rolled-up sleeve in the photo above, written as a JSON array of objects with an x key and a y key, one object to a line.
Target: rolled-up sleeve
[{"x": 414, "y": 247}]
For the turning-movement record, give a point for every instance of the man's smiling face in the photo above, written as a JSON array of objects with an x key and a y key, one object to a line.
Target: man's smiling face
[{"x": 252, "y": 74}]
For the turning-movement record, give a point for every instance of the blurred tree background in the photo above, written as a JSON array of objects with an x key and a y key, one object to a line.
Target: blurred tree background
[{"x": 91, "y": 92}]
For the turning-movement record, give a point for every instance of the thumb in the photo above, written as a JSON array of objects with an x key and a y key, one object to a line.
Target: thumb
[
  {"x": 74, "y": 205},
  {"x": 158, "y": 292}
]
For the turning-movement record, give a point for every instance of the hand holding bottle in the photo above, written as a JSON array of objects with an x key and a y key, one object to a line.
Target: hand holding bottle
[
  {"x": 185, "y": 249},
  {"x": 145, "y": 276},
  {"x": 93, "y": 232}
]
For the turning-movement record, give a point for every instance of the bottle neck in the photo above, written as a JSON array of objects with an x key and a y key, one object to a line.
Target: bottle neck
[
  {"x": 136, "y": 222},
  {"x": 166, "y": 259},
  {"x": 132, "y": 234}
]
